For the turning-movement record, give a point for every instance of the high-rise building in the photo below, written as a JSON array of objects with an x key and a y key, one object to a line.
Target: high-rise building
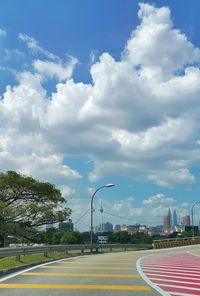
[
  {"x": 167, "y": 222},
  {"x": 186, "y": 220},
  {"x": 174, "y": 221},
  {"x": 170, "y": 218}
]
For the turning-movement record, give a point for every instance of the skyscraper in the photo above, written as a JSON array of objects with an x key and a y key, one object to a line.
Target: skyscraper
[
  {"x": 186, "y": 220},
  {"x": 170, "y": 218},
  {"x": 174, "y": 221},
  {"x": 166, "y": 222}
]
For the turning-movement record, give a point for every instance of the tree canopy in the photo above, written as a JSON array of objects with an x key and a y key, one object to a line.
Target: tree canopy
[{"x": 26, "y": 203}]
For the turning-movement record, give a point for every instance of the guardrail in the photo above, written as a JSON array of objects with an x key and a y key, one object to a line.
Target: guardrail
[
  {"x": 19, "y": 251},
  {"x": 175, "y": 242}
]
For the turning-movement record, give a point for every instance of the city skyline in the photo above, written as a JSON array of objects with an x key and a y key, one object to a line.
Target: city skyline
[{"x": 97, "y": 92}]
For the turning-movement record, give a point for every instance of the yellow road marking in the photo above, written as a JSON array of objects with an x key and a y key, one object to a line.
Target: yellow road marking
[
  {"x": 83, "y": 274},
  {"x": 96, "y": 263},
  {"x": 74, "y": 287},
  {"x": 92, "y": 267}
]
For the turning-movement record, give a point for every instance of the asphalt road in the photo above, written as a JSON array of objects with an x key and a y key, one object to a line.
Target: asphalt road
[{"x": 100, "y": 275}]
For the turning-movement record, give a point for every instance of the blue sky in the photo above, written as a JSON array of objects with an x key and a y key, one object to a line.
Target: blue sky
[{"x": 96, "y": 92}]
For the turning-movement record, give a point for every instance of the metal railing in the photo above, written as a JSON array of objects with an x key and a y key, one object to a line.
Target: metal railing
[{"x": 19, "y": 251}]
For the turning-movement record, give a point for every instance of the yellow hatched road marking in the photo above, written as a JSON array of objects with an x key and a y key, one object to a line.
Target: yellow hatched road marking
[
  {"x": 96, "y": 263},
  {"x": 92, "y": 267},
  {"x": 83, "y": 274},
  {"x": 74, "y": 287}
]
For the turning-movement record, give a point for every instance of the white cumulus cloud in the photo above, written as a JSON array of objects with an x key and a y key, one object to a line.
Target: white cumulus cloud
[
  {"x": 58, "y": 70},
  {"x": 159, "y": 199},
  {"x": 34, "y": 46},
  {"x": 138, "y": 117}
]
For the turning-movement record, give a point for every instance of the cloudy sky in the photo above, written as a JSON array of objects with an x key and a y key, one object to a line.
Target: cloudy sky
[{"x": 96, "y": 92}]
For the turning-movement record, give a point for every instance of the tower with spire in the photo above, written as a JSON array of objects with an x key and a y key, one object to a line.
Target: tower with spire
[{"x": 101, "y": 211}]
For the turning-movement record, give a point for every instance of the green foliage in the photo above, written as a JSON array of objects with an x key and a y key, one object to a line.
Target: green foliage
[
  {"x": 86, "y": 236},
  {"x": 26, "y": 203},
  {"x": 122, "y": 237},
  {"x": 71, "y": 237}
]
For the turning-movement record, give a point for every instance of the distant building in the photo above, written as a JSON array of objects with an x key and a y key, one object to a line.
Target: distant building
[
  {"x": 174, "y": 220},
  {"x": 104, "y": 227},
  {"x": 186, "y": 220},
  {"x": 170, "y": 218},
  {"x": 166, "y": 222},
  {"x": 132, "y": 229},
  {"x": 66, "y": 226},
  {"x": 117, "y": 228},
  {"x": 143, "y": 229},
  {"x": 124, "y": 228},
  {"x": 190, "y": 228},
  {"x": 108, "y": 227},
  {"x": 156, "y": 229}
]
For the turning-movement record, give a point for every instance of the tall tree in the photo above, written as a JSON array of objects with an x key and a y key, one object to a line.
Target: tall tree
[{"x": 26, "y": 203}]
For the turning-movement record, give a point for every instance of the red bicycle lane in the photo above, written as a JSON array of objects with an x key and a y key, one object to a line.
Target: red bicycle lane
[{"x": 171, "y": 274}]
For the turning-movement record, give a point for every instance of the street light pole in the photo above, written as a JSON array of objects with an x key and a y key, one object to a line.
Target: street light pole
[
  {"x": 91, "y": 209},
  {"x": 192, "y": 213}
]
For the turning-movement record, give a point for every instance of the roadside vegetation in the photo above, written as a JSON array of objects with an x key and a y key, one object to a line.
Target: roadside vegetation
[
  {"x": 26, "y": 204},
  {"x": 9, "y": 263}
]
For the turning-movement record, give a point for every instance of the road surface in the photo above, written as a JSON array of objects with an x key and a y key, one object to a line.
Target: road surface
[{"x": 171, "y": 272}]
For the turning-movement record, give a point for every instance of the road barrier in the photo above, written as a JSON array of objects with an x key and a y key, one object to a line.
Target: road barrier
[
  {"x": 175, "y": 242},
  {"x": 19, "y": 251}
]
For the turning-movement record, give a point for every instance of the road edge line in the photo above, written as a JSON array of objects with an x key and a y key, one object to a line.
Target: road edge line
[
  {"x": 4, "y": 278},
  {"x": 145, "y": 278},
  {"x": 189, "y": 252}
]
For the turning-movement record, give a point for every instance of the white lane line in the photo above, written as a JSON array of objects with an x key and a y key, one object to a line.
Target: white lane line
[
  {"x": 181, "y": 294},
  {"x": 179, "y": 287},
  {"x": 149, "y": 282},
  {"x": 161, "y": 276},
  {"x": 169, "y": 266},
  {"x": 189, "y": 252},
  {"x": 169, "y": 272},
  {"x": 171, "y": 269},
  {"x": 173, "y": 281}
]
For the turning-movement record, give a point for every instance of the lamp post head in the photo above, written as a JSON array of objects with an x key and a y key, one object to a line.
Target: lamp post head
[
  {"x": 91, "y": 208},
  {"x": 109, "y": 185}
]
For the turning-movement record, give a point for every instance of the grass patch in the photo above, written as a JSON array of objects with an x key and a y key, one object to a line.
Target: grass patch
[{"x": 10, "y": 262}]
